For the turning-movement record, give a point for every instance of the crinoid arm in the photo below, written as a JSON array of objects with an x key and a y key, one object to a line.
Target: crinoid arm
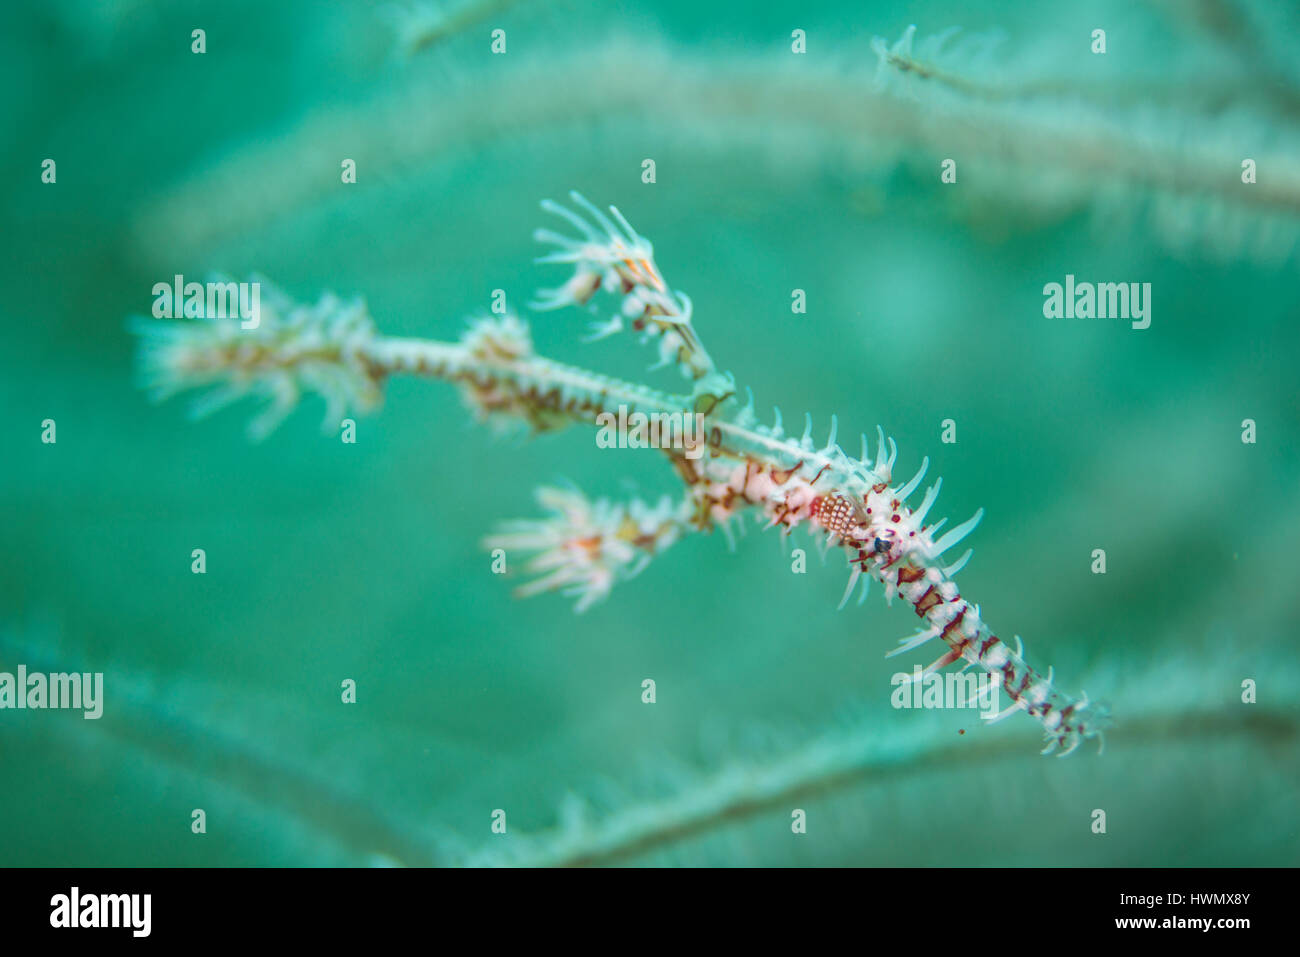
[{"x": 741, "y": 466}]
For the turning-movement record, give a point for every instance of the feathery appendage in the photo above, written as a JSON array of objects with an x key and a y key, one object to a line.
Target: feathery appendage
[
  {"x": 583, "y": 548},
  {"x": 293, "y": 348},
  {"x": 618, "y": 258},
  {"x": 421, "y": 24},
  {"x": 899, "y": 59}
]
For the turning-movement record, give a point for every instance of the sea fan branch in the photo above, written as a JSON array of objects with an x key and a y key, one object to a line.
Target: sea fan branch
[
  {"x": 819, "y": 769},
  {"x": 1054, "y": 147}
]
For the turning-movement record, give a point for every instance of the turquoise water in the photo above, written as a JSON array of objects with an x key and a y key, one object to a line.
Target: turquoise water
[{"x": 774, "y": 171}]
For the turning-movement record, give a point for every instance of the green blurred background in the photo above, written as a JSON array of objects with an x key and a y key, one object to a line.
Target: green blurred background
[{"x": 329, "y": 561}]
